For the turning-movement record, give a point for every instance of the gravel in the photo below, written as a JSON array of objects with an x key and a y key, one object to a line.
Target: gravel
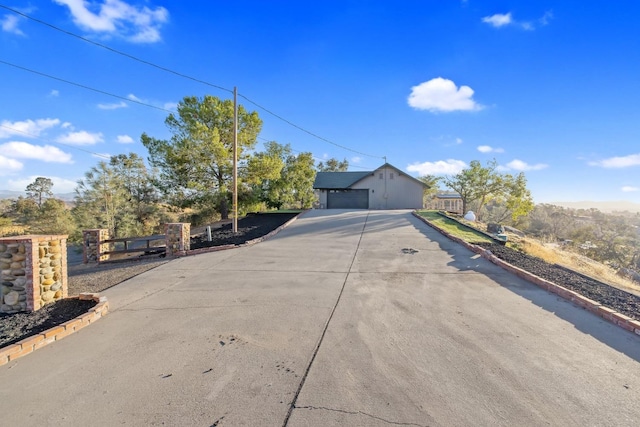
[
  {"x": 15, "y": 327},
  {"x": 250, "y": 227},
  {"x": 96, "y": 278},
  {"x": 609, "y": 296}
]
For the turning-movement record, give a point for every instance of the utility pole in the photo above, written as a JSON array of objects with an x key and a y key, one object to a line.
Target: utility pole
[{"x": 235, "y": 160}]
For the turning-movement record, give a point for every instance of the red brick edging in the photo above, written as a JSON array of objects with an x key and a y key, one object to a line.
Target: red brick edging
[
  {"x": 608, "y": 314},
  {"x": 31, "y": 344}
]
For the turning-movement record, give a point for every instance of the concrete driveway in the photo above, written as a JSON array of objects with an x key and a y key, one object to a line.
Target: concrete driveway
[{"x": 357, "y": 318}]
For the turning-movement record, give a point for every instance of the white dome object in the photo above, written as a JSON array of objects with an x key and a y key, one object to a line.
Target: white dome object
[{"x": 470, "y": 216}]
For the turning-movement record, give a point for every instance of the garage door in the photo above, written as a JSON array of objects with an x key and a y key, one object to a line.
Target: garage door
[{"x": 348, "y": 199}]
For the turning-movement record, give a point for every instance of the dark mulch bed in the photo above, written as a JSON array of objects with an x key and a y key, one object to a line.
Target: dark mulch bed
[
  {"x": 15, "y": 327},
  {"x": 250, "y": 227},
  {"x": 609, "y": 296}
]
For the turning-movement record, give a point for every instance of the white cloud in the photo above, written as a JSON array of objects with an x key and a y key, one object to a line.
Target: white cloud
[
  {"x": 498, "y": 20},
  {"x": 120, "y": 104},
  {"x": 24, "y": 150},
  {"x": 618, "y": 162},
  {"x": 81, "y": 138},
  {"x": 442, "y": 95},
  {"x": 9, "y": 24},
  {"x": 519, "y": 165},
  {"x": 356, "y": 160},
  {"x": 527, "y": 26},
  {"x": 54, "y": 92},
  {"x": 8, "y": 166},
  {"x": 441, "y": 167},
  {"x": 170, "y": 106},
  {"x": 629, "y": 189},
  {"x": 60, "y": 185},
  {"x": 32, "y": 128},
  {"x": 548, "y": 16},
  {"x": 447, "y": 140},
  {"x": 489, "y": 149},
  {"x": 134, "y": 98},
  {"x": 125, "y": 139},
  {"x": 63, "y": 185},
  {"x": 116, "y": 17},
  {"x": 506, "y": 19}
]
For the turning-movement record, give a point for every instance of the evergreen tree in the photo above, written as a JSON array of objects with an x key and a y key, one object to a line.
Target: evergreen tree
[
  {"x": 39, "y": 189},
  {"x": 196, "y": 164}
]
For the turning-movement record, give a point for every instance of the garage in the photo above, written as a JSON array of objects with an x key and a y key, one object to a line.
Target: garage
[
  {"x": 386, "y": 187},
  {"x": 348, "y": 199}
]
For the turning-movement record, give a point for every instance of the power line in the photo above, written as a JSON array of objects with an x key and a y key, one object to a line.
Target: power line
[
  {"x": 315, "y": 157},
  {"x": 83, "y": 86},
  {"x": 121, "y": 97},
  {"x": 185, "y": 76},
  {"x": 151, "y": 64},
  {"x": 306, "y": 131},
  {"x": 146, "y": 105}
]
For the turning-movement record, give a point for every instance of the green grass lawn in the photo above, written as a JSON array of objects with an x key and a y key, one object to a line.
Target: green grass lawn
[{"x": 455, "y": 229}]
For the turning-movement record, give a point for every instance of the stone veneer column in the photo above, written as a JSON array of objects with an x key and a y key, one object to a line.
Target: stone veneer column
[
  {"x": 178, "y": 238},
  {"x": 33, "y": 272},
  {"x": 92, "y": 248}
]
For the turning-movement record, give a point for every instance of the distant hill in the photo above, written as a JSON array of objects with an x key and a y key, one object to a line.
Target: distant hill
[
  {"x": 607, "y": 207},
  {"x": 9, "y": 194}
]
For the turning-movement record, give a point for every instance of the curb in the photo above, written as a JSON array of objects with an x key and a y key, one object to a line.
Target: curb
[
  {"x": 56, "y": 333},
  {"x": 606, "y": 313},
  {"x": 248, "y": 243}
]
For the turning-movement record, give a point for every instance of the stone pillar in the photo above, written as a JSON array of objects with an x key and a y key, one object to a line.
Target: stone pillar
[
  {"x": 93, "y": 250},
  {"x": 33, "y": 272},
  {"x": 178, "y": 238}
]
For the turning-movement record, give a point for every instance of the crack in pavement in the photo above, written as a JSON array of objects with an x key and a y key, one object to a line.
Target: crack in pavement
[
  {"x": 204, "y": 307},
  {"x": 326, "y": 327},
  {"x": 375, "y": 417}
]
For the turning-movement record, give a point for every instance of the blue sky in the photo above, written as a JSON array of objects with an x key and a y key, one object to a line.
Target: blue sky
[{"x": 546, "y": 87}]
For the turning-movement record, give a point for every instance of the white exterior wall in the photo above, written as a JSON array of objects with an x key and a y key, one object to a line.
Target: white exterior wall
[{"x": 402, "y": 192}]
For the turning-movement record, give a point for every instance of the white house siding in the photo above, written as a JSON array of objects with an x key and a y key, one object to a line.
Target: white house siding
[{"x": 402, "y": 192}]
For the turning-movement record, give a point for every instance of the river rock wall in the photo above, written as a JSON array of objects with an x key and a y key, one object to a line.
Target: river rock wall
[
  {"x": 33, "y": 272},
  {"x": 93, "y": 247},
  {"x": 178, "y": 238}
]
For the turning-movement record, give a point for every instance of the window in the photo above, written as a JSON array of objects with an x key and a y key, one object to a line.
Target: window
[
  {"x": 380, "y": 175},
  {"x": 391, "y": 175}
]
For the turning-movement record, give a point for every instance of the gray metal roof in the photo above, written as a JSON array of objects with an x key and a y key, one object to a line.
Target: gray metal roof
[
  {"x": 344, "y": 180},
  {"x": 338, "y": 180}
]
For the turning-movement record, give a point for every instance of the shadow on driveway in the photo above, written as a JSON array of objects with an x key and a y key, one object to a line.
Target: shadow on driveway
[{"x": 584, "y": 321}]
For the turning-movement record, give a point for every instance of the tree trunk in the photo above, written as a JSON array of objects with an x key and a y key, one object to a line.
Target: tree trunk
[{"x": 224, "y": 208}]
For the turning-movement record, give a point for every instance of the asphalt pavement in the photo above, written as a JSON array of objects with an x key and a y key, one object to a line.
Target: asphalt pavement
[{"x": 355, "y": 318}]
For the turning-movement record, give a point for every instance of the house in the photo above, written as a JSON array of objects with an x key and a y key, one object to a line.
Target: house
[
  {"x": 387, "y": 187},
  {"x": 450, "y": 202}
]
